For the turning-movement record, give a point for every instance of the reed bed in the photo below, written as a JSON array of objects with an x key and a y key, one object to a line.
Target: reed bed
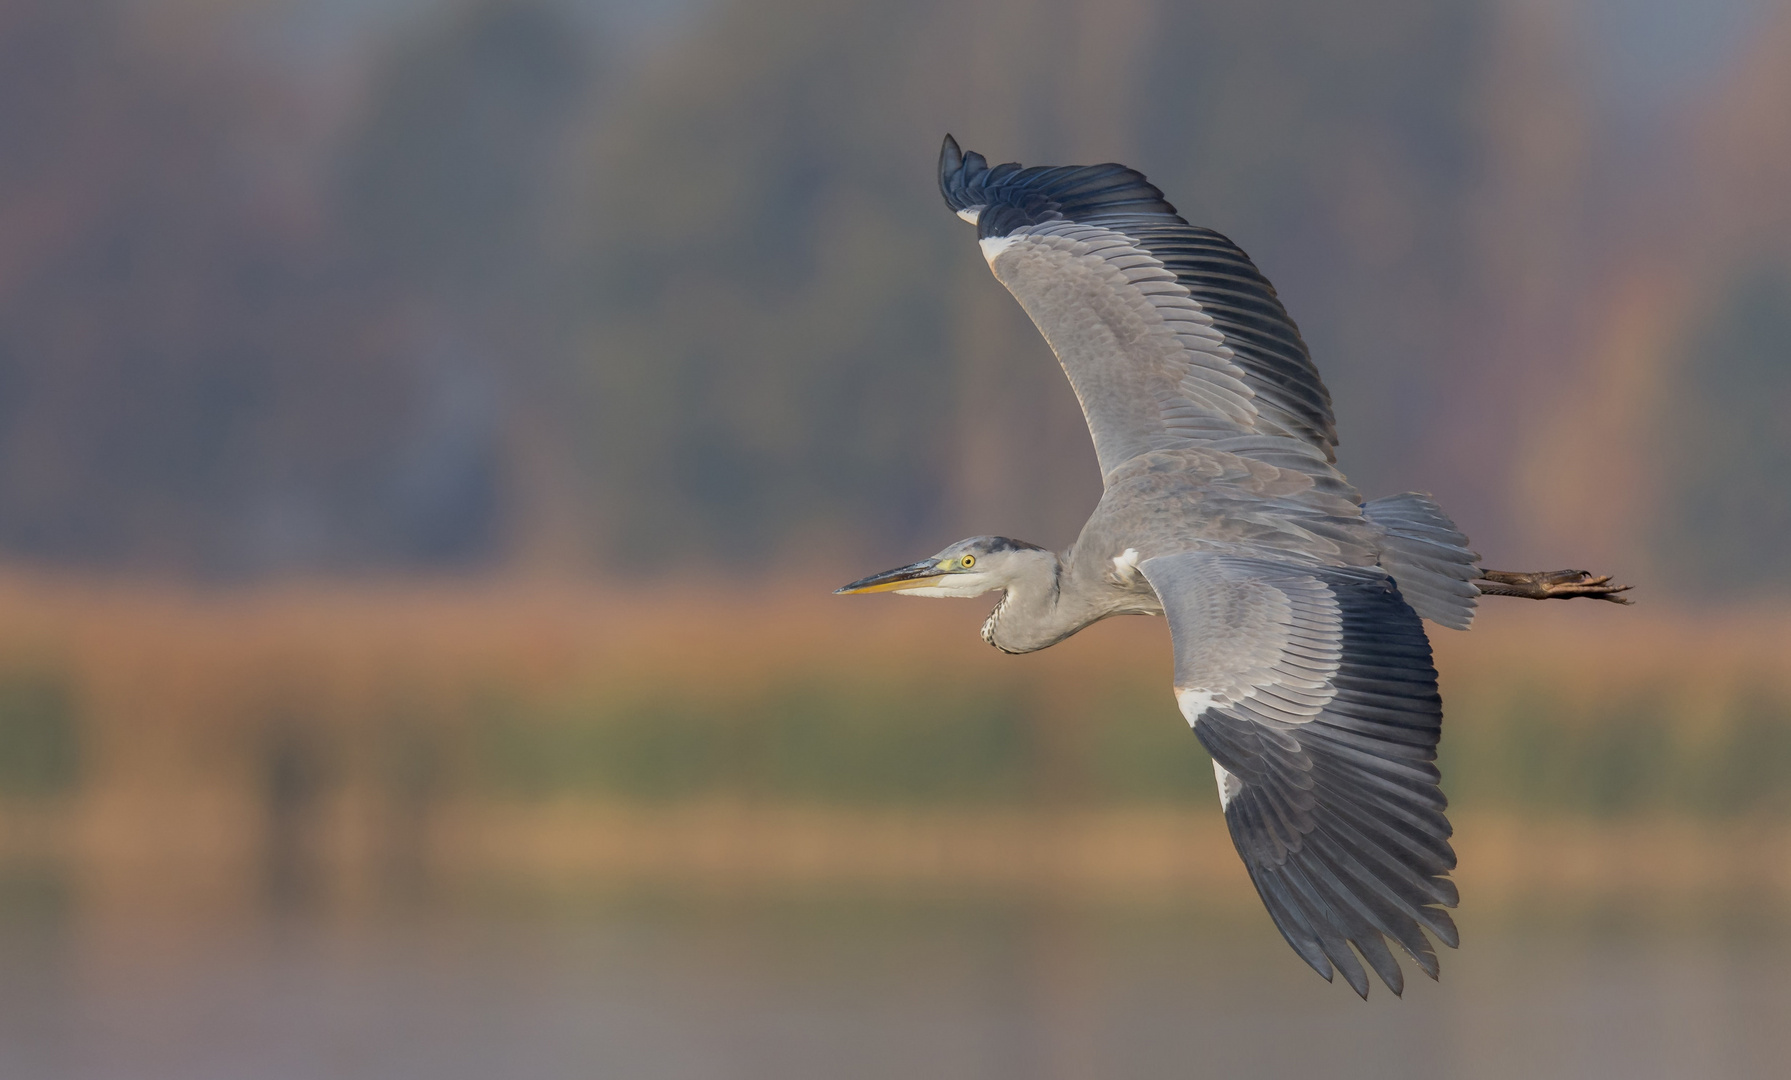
[{"x": 275, "y": 738}]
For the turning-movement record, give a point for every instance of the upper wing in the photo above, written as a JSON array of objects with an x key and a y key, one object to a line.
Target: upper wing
[
  {"x": 1167, "y": 331},
  {"x": 1313, "y": 689}
]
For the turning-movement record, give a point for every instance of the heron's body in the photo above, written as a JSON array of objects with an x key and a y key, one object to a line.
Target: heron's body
[
  {"x": 1293, "y": 606},
  {"x": 1189, "y": 501}
]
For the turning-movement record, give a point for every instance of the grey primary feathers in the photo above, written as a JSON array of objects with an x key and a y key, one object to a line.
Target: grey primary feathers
[{"x": 1293, "y": 606}]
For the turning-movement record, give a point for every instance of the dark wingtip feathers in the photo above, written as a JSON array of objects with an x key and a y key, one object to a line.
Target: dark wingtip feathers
[
  {"x": 1024, "y": 196},
  {"x": 958, "y": 171}
]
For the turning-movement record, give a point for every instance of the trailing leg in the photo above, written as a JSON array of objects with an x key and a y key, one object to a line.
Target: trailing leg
[{"x": 1550, "y": 585}]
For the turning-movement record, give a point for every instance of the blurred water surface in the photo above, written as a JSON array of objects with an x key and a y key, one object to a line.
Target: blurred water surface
[
  {"x": 791, "y": 986},
  {"x": 513, "y": 834}
]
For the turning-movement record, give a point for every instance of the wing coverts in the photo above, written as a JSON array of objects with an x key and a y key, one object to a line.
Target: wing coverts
[
  {"x": 1146, "y": 364},
  {"x": 1313, "y": 688}
]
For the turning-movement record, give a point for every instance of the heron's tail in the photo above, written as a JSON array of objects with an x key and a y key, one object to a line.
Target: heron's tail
[{"x": 1427, "y": 556}]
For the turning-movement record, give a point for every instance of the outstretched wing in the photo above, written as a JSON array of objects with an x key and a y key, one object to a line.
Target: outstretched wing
[
  {"x": 1166, "y": 330},
  {"x": 1313, "y": 690}
]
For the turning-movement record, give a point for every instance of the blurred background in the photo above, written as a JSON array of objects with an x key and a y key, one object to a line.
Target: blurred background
[{"x": 429, "y": 431}]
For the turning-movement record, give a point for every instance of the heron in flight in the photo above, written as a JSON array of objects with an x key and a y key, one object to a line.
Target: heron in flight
[{"x": 1294, "y": 606}]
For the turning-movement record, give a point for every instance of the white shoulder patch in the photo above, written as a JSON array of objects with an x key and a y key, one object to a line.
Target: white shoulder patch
[
  {"x": 1125, "y": 564},
  {"x": 993, "y": 246},
  {"x": 1195, "y": 701},
  {"x": 971, "y": 213},
  {"x": 1229, "y": 785}
]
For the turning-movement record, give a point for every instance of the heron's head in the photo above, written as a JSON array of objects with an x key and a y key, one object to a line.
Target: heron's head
[{"x": 967, "y": 568}]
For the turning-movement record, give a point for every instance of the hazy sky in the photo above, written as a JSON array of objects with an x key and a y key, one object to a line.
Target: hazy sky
[
  {"x": 1645, "y": 53},
  {"x": 323, "y": 31},
  {"x": 1642, "y": 53}
]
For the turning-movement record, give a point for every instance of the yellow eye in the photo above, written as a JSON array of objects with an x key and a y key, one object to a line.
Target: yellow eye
[{"x": 967, "y": 561}]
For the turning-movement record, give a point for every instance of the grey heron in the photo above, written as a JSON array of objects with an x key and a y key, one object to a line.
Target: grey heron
[{"x": 1293, "y": 605}]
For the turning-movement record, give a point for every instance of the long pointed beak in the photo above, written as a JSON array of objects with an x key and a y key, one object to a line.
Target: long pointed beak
[{"x": 912, "y": 576}]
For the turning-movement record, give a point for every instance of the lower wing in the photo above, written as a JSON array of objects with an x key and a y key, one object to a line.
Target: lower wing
[{"x": 1313, "y": 690}]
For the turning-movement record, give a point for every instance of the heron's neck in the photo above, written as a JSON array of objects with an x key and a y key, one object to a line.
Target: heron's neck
[{"x": 1042, "y": 605}]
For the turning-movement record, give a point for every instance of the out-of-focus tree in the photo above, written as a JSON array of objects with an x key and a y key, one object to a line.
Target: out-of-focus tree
[
  {"x": 1726, "y": 510},
  {"x": 164, "y": 328},
  {"x": 449, "y": 189},
  {"x": 210, "y": 365},
  {"x": 1340, "y": 145},
  {"x": 1655, "y": 430},
  {"x": 447, "y": 178}
]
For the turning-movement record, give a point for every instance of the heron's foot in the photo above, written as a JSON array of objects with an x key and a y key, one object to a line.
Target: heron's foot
[{"x": 1550, "y": 585}]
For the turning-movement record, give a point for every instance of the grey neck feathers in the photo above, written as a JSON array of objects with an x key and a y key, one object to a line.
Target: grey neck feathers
[{"x": 1043, "y": 604}]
